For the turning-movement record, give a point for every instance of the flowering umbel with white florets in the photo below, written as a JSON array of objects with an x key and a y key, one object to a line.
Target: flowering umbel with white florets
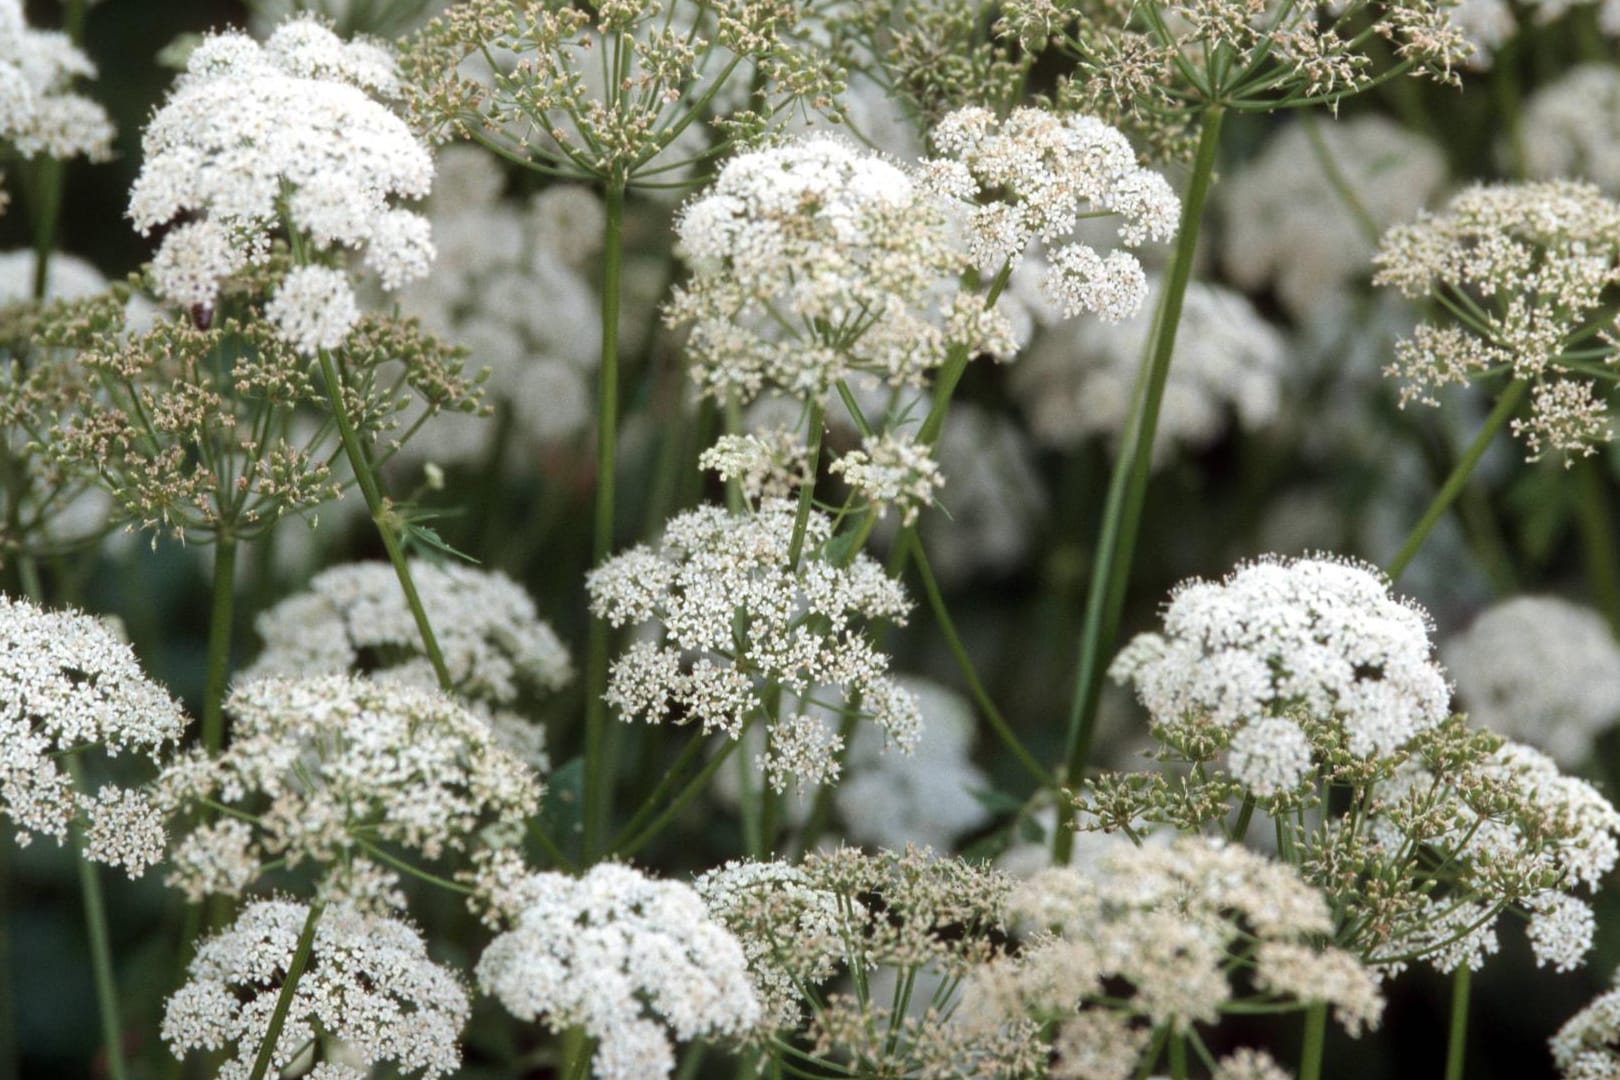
[
  {"x": 39, "y": 114},
  {"x": 739, "y": 617},
  {"x": 638, "y": 963},
  {"x": 1303, "y": 689},
  {"x": 1526, "y": 271},
  {"x": 67, "y": 686},
  {"x": 288, "y": 136},
  {"x": 368, "y": 982}
]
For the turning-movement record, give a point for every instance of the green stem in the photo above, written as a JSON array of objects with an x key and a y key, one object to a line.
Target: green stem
[
  {"x": 382, "y": 516},
  {"x": 630, "y": 846},
  {"x": 1127, "y": 488},
  {"x": 219, "y": 644},
  {"x": 1597, "y": 537},
  {"x": 1455, "y": 482},
  {"x": 1336, "y": 178},
  {"x": 1457, "y": 1040},
  {"x": 1310, "y": 1055},
  {"x": 597, "y": 778},
  {"x": 48, "y": 175},
  {"x": 649, "y": 805},
  {"x": 101, "y": 956},
  {"x": 289, "y": 987},
  {"x": 936, "y": 603},
  {"x": 1178, "y": 1055},
  {"x": 807, "y": 492}
]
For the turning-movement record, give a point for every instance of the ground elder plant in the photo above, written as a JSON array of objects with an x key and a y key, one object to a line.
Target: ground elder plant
[{"x": 774, "y": 423}]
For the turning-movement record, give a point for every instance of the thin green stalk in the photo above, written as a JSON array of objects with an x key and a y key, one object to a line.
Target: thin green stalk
[
  {"x": 598, "y": 774},
  {"x": 936, "y": 603},
  {"x": 1310, "y": 1055},
  {"x": 1598, "y": 540},
  {"x": 47, "y": 187},
  {"x": 649, "y": 805},
  {"x": 1127, "y": 488},
  {"x": 1455, "y": 482},
  {"x": 807, "y": 491},
  {"x": 1336, "y": 178},
  {"x": 219, "y": 644},
  {"x": 289, "y": 987},
  {"x": 1457, "y": 1040},
  {"x": 382, "y": 516},
  {"x": 101, "y": 956},
  {"x": 630, "y": 846}
]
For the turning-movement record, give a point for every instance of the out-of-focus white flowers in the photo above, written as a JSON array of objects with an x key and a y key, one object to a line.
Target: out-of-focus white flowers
[
  {"x": 38, "y": 113},
  {"x": 368, "y": 983},
  {"x": 638, "y": 963},
  {"x": 290, "y": 134},
  {"x": 67, "y": 684},
  {"x": 1541, "y": 670},
  {"x": 1571, "y": 128}
]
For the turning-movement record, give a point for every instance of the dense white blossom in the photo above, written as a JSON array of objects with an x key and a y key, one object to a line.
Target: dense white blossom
[
  {"x": 39, "y": 114},
  {"x": 1078, "y": 380},
  {"x": 1571, "y": 128},
  {"x": 638, "y": 963},
  {"x": 892, "y": 469},
  {"x": 736, "y": 613},
  {"x": 353, "y": 618},
  {"x": 328, "y": 765},
  {"x": 814, "y": 260},
  {"x": 1319, "y": 635},
  {"x": 67, "y": 684},
  {"x": 253, "y": 137},
  {"x": 1587, "y": 1047},
  {"x": 1541, "y": 670},
  {"x": 368, "y": 982}
]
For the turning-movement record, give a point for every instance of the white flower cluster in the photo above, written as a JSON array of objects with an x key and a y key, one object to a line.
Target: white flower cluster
[
  {"x": 510, "y": 283},
  {"x": 892, "y": 469},
  {"x": 67, "y": 684},
  {"x": 768, "y": 464},
  {"x": 368, "y": 983},
  {"x": 814, "y": 260},
  {"x": 1287, "y": 227},
  {"x": 637, "y": 963},
  {"x": 1077, "y": 382},
  {"x": 288, "y": 132},
  {"x": 1168, "y": 921},
  {"x": 1587, "y": 1047},
  {"x": 38, "y": 113},
  {"x": 736, "y": 614},
  {"x": 1284, "y": 639},
  {"x": 354, "y": 618},
  {"x": 327, "y": 766},
  {"x": 1044, "y": 171},
  {"x": 1541, "y": 670}
]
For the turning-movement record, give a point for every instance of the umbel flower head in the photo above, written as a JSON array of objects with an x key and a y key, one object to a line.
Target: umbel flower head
[
  {"x": 354, "y": 619},
  {"x": 38, "y": 113},
  {"x": 638, "y": 963},
  {"x": 1173, "y": 923},
  {"x": 368, "y": 982},
  {"x": 1242, "y": 660},
  {"x": 1527, "y": 270},
  {"x": 327, "y": 767},
  {"x": 68, "y": 685},
  {"x": 529, "y": 78},
  {"x": 737, "y": 616},
  {"x": 253, "y": 138},
  {"x": 815, "y": 260}
]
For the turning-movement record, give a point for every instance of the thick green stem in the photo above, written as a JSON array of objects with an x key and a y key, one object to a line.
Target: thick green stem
[
  {"x": 289, "y": 987},
  {"x": 219, "y": 644},
  {"x": 598, "y": 774},
  {"x": 1455, "y": 482},
  {"x": 1178, "y": 1055},
  {"x": 47, "y": 187},
  {"x": 1003, "y": 730},
  {"x": 1127, "y": 488},
  {"x": 1310, "y": 1055},
  {"x": 101, "y": 956},
  {"x": 1457, "y": 1040},
  {"x": 382, "y": 516}
]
